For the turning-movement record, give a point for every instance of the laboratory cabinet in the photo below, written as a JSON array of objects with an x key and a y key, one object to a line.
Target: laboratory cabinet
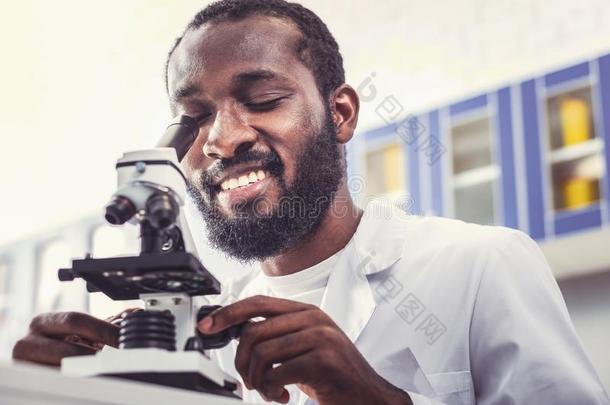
[{"x": 530, "y": 155}]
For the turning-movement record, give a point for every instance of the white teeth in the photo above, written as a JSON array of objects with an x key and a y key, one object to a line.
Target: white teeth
[{"x": 244, "y": 180}]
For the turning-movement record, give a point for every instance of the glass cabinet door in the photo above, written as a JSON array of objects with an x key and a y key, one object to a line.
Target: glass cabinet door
[
  {"x": 575, "y": 151},
  {"x": 474, "y": 171},
  {"x": 385, "y": 173}
]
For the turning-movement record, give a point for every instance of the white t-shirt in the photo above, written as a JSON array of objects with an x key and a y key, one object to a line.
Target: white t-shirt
[{"x": 305, "y": 286}]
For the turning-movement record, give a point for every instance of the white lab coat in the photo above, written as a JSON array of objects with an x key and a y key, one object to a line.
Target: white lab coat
[{"x": 452, "y": 313}]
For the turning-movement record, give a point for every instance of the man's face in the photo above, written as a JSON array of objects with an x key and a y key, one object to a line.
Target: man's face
[{"x": 266, "y": 163}]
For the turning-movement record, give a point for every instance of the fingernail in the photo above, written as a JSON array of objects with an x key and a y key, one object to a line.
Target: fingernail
[
  {"x": 285, "y": 397},
  {"x": 206, "y": 323}
]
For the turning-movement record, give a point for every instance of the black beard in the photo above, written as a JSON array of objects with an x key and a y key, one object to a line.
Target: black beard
[{"x": 251, "y": 235}]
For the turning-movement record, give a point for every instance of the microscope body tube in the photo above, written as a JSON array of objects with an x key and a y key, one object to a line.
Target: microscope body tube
[
  {"x": 180, "y": 135},
  {"x": 146, "y": 172}
]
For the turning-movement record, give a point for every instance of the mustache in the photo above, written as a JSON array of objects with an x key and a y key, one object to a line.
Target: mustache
[{"x": 269, "y": 161}]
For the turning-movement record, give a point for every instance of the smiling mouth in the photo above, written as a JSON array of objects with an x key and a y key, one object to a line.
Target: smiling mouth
[{"x": 243, "y": 180}]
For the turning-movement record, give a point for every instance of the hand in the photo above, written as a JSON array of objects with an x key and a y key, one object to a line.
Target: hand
[
  {"x": 53, "y": 336},
  {"x": 299, "y": 344}
]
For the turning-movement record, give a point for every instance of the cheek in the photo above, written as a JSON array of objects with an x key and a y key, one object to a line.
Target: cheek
[
  {"x": 288, "y": 145},
  {"x": 293, "y": 136},
  {"x": 291, "y": 174}
]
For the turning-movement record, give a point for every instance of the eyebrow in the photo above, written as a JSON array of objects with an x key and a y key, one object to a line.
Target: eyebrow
[
  {"x": 185, "y": 91},
  {"x": 256, "y": 76},
  {"x": 189, "y": 90}
]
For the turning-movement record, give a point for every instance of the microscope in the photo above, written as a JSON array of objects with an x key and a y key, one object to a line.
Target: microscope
[{"x": 159, "y": 344}]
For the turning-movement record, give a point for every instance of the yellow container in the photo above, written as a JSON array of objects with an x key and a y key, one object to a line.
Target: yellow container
[
  {"x": 394, "y": 168},
  {"x": 575, "y": 126},
  {"x": 579, "y": 192}
]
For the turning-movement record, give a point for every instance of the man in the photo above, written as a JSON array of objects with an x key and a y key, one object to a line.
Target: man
[{"x": 354, "y": 307}]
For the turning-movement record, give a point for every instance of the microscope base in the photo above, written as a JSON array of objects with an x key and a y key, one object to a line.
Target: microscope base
[
  {"x": 185, "y": 380},
  {"x": 188, "y": 370}
]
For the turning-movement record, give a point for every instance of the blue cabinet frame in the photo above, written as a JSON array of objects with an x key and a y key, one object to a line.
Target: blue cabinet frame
[
  {"x": 533, "y": 159},
  {"x": 506, "y": 145},
  {"x": 518, "y": 117},
  {"x": 603, "y": 70}
]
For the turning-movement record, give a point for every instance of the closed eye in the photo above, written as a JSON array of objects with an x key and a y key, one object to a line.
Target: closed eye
[
  {"x": 201, "y": 118},
  {"x": 265, "y": 105}
]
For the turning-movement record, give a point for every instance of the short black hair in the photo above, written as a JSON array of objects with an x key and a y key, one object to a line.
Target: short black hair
[{"x": 317, "y": 48}]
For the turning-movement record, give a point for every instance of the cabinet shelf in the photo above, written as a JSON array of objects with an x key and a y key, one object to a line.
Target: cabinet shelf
[
  {"x": 577, "y": 151},
  {"x": 474, "y": 177},
  {"x": 576, "y": 173}
]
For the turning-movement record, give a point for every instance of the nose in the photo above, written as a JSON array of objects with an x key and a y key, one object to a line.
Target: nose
[{"x": 229, "y": 136}]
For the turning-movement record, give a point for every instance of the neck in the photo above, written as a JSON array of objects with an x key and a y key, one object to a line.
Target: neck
[{"x": 337, "y": 228}]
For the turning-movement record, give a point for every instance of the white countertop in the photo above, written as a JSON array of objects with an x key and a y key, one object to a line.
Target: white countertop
[{"x": 25, "y": 384}]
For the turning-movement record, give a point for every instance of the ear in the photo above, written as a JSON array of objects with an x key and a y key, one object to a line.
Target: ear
[{"x": 345, "y": 106}]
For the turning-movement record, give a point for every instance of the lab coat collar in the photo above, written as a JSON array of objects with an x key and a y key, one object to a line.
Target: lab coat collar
[
  {"x": 377, "y": 244},
  {"x": 379, "y": 239}
]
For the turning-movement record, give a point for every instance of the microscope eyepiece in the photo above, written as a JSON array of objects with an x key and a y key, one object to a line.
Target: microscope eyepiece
[
  {"x": 180, "y": 135},
  {"x": 119, "y": 210}
]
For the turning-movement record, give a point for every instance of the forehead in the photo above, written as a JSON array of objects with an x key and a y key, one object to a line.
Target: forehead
[{"x": 219, "y": 50}]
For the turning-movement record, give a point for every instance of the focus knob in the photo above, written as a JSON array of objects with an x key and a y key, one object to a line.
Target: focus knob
[{"x": 65, "y": 274}]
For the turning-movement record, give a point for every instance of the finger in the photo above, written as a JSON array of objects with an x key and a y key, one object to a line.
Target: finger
[
  {"x": 242, "y": 311},
  {"x": 79, "y": 341},
  {"x": 63, "y": 324},
  {"x": 44, "y": 350},
  {"x": 256, "y": 332},
  {"x": 280, "y": 395},
  {"x": 278, "y": 350},
  {"x": 116, "y": 319},
  {"x": 283, "y": 398},
  {"x": 294, "y": 371}
]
